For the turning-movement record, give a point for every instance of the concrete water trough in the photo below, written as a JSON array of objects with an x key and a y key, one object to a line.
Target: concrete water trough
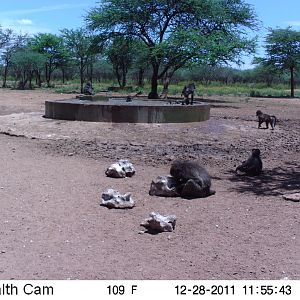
[{"x": 118, "y": 110}]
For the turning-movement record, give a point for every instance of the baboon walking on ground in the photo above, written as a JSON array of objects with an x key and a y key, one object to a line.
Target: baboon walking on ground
[{"x": 267, "y": 119}]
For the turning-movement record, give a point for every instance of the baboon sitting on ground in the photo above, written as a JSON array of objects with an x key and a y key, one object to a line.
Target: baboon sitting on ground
[
  {"x": 267, "y": 119},
  {"x": 253, "y": 165},
  {"x": 192, "y": 180}
]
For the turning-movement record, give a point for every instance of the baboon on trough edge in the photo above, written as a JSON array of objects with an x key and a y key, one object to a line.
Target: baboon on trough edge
[{"x": 186, "y": 92}]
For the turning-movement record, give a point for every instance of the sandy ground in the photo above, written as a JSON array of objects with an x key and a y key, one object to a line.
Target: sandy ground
[{"x": 52, "y": 177}]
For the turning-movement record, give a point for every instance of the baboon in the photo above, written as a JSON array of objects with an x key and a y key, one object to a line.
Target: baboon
[
  {"x": 186, "y": 92},
  {"x": 165, "y": 91},
  {"x": 253, "y": 165},
  {"x": 192, "y": 180},
  {"x": 88, "y": 89},
  {"x": 266, "y": 118}
]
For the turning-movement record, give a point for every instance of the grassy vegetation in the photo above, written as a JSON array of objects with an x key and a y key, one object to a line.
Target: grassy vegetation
[
  {"x": 202, "y": 90},
  {"x": 215, "y": 88}
]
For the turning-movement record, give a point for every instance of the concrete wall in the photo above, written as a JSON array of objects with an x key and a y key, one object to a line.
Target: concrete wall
[{"x": 134, "y": 113}]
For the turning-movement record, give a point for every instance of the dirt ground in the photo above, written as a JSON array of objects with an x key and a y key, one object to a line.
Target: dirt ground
[{"x": 52, "y": 178}]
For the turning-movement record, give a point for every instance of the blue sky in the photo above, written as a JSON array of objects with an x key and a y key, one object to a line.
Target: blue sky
[
  {"x": 273, "y": 13},
  {"x": 34, "y": 16}
]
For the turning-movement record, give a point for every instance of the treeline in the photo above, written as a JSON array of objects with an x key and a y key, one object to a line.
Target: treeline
[
  {"x": 207, "y": 75},
  {"x": 44, "y": 58},
  {"x": 33, "y": 61}
]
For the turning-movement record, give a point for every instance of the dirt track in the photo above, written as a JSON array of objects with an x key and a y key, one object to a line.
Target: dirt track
[{"x": 52, "y": 177}]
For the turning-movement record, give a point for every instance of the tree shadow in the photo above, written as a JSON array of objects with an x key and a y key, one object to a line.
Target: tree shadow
[
  {"x": 274, "y": 182},
  {"x": 152, "y": 232},
  {"x": 274, "y": 97}
]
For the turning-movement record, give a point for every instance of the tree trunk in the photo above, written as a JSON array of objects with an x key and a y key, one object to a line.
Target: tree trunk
[
  {"x": 5, "y": 76},
  {"x": 81, "y": 76},
  {"x": 292, "y": 83},
  {"x": 118, "y": 76},
  {"x": 63, "y": 75},
  {"x": 47, "y": 71},
  {"x": 91, "y": 72},
  {"x": 39, "y": 79},
  {"x": 153, "y": 94},
  {"x": 124, "y": 75},
  {"x": 30, "y": 80},
  {"x": 140, "y": 81},
  {"x": 124, "y": 81}
]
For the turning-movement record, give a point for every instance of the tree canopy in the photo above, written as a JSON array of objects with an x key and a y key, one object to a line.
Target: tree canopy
[
  {"x": 5, "y": 36},
  {"x": 283, "y": 51},
  {"x": 120, "y": 53},
  {"x": 52, "y": 46},
  {"x": 178, "y": 32},
  {"x": 25, "y": 63},
  {"x": 81, "y": 47}
]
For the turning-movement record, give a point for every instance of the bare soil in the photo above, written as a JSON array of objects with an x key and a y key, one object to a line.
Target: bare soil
[{"x": 52, "y": 177}]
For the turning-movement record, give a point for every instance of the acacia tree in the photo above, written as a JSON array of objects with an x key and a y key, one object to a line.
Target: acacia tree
[
  {"x": 7, "y": 47},
  {"x": 265, "y": 71},
  {"x": 52, "y": 47},
  {"x": 178, "y": 32},
  {"x": 283, "y": 52},
  {"x": 5, "y": 36},
  {"x": 26, "y": 63},
  {"x": 121, "y": 53},
  {"x": 80, "y": 44},
  {"x": 14, "y": 42},
  {"x": 140, "y": 63}
]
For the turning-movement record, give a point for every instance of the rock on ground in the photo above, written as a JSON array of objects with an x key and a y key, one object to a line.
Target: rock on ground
[
  {"x": 159, "y": 223},
  {"x": 113, "y": 199}
]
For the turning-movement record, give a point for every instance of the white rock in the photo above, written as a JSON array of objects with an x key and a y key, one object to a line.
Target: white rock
[
  {"x": 292, "y": 197},
  {"x": 121, "y": 169},
  {"x": 159, "y": 223},
  {"x": 113, "y": 199},
  {"x": 163, "y": 186},
  {"x": 115, "y": 171}
]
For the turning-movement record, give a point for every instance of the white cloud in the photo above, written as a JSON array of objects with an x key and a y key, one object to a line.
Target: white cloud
[
  {"x": 39, "y": 9},
  {"x": 25, "y": 22},
  {"x": 23, "y": 26},
  {"x": 19, "y": 21}
]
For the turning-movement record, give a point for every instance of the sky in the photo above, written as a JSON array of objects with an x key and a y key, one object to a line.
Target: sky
[
  {"x": 275, "y": 14},
  {"x": 33, "y": 16}
]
